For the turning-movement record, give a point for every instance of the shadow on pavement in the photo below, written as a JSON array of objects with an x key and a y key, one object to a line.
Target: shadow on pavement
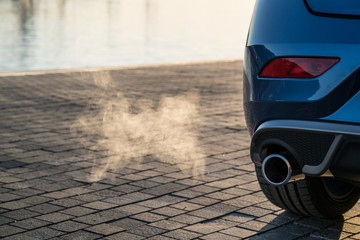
[{"x": 288, "y": 226}]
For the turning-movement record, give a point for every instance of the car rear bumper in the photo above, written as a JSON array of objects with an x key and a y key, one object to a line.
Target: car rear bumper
[{"x": 319, "y": 148}]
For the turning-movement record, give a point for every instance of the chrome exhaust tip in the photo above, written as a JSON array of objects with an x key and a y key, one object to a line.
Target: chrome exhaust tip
[{"x": 277, "y": 170}]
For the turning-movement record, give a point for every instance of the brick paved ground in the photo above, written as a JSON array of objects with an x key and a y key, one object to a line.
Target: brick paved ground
[{"x": 44, "y": 193}]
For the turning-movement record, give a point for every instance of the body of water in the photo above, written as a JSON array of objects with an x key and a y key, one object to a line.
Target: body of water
[{"x": 57, "y": 34}]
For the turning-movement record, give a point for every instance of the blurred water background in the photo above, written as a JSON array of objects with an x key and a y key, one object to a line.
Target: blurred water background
[{"x": 58, "y": 34}]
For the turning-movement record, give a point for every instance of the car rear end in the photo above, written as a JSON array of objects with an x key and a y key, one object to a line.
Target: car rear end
[{"x": 302, "y": 102}]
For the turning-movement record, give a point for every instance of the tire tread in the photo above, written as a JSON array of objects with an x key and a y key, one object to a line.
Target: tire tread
[{"x": 306, "y": 197}]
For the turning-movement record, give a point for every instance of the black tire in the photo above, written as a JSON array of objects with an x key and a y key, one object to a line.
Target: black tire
[{"x": 317, "y": 197}]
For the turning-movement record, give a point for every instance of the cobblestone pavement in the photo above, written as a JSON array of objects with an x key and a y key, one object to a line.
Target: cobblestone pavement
[{"x": 45, "y": 191}]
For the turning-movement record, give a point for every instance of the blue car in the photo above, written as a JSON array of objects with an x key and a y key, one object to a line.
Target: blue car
[{"x": 302, "y": 103}]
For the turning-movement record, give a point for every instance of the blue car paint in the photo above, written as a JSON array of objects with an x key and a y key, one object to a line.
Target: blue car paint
[
  {"x": 349, "y": 112},
  {"x": 287, "y": 28},
  {"x": 334, "y": 7}
]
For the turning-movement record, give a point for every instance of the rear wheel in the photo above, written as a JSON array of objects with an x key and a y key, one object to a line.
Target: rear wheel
[{"x": 313, "y": 196}]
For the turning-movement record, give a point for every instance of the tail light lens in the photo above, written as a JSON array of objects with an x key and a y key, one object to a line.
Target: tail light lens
[{"x": 297, "y": 67}]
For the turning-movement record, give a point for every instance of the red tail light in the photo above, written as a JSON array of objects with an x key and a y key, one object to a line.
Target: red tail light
[{"x": 297, "y": 67}]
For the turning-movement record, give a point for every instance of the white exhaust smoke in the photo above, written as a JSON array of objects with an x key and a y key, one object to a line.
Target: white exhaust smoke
[{"x": 129, "y": 130}]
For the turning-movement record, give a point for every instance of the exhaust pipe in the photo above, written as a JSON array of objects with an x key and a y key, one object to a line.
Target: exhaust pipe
[{"x": 278, "y": 171}]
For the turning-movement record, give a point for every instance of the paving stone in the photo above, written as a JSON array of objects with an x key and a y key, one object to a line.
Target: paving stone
[
  {"x": 188, "y": 194},
  {"x": 146, "y": 231},
  {"x": 6, "y": 230},
  {"x": 278, "y": 234},
  {"x": 11, "y": 163},
  {"x": 12, "y": 205},
  {"x": 169, "y": 211},
  {"x": 167, "y": 224},
  {"x": 108, "y": 193},
  {"x": 257, "y": 226},
  {"x": 255, "y": 211},
  {"x": 42, "y": 233},
  {"x": 58, "y": 194},
  {"x": 253, "y": 199},
  {"x": 353, "y": 212},
  {"x": 5, "y": 220},
  {"x": 159, "y": 237},
  {"x": 161, "y": 201},
  {"x": 205, "y": 228},
  {"x": 68, "y": 202},
  {"x": 127, "y": 188},
  {"x": 355, "y": 220},
  {"x": 163, "y": 179},
  {"x": 49, "y": 187},
  {"x": 4, "y": 190},
  {"x": 308, "y": 238},
  {"x": 330, "y": 234},
  {"x": 128, "y": 223},
  {"x": 204, "y": 201},
  {"x": 99, "y": 205},
  {"x": 357, "y": 236},
  {"x": 217, "y": 236},
  {"x": 30, "y": 223},
  {"x": 182, "y": 234},
  {"x": 87, "y": 197},
  {"x": 239, "y": 232},
  {"x": 5, "y": 197},
  {"x": 28, "y": 192},
  {"x": 129, "y": 198},
  {"x": 76, "y": 190},
  {"x": 268, "y": 205},
  {"x": 148, "y": 217},
  {"x": 99, "y": 186},
  {"x": 165, "y": 189},
  {"x": 54, "y": 217},
  {"x": 350, "y": 228},
  {"x": 20, "y": 236},
  {"x": 190, "y": 182},
  {"x": 81, "y": 235},
  {"x": 105, "y": 229},
  {"x": 313, "y": 223},
  {"x": 187, "y": 206},
  {"x": 214, "y": 211},
  {"x": 3, "y": 210},
  {"x": 134, "y": 177},
  {"x": 78, "y": 211},
  {"x": 124, "y": 235},
  {"x": 188, "y": 219},
  {"x": 69, "y": 226},
  {"x": 45, "y": 208},
  {"x": 33, "y": 174},
  {"x": 132, "y": 209},
  {"x": 20, "y": 214},
  {"x": 220, "y": 196},
  {"x": 35, "y": 200},
  {"x": 16, "y": 185},
  {"x": 100, "y": 217}
]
